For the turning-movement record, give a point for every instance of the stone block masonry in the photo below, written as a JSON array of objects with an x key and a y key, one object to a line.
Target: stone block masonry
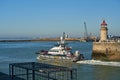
[{"x": 106, "y": 51}]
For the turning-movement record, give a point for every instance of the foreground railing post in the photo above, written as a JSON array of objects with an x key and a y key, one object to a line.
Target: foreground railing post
[
  {"x": 27, "y": 74},
  {"x": 48, "y": 75},
  {"x": 33, "y": 75},
  {"x": 11, "y": 71}
]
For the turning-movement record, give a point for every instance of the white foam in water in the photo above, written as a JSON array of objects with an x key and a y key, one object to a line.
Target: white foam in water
[{"x": 98, "y": 62}]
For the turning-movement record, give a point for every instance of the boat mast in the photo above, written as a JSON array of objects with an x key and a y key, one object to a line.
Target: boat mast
[{"x": 63, "y": 38}]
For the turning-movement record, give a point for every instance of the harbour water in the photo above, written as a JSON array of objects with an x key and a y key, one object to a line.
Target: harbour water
[{"x": 11, "y": 52}]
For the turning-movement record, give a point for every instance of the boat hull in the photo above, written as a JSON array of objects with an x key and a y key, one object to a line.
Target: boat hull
[
  {"x": 56, "y": 60},
  {"x": 57, "y": 57}
]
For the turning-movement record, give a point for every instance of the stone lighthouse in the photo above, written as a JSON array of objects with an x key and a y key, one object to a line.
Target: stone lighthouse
[
  {"x": 105, "y": 50},
  {"x": 103, "y": 32}
]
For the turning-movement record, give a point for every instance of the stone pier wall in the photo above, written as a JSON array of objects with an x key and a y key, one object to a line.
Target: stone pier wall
[{"x": 106, "y": 50}]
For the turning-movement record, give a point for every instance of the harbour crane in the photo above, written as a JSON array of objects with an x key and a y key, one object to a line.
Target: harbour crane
[
  {"x": 86, "y": 33},
  {"x": 88, "y": 37}
]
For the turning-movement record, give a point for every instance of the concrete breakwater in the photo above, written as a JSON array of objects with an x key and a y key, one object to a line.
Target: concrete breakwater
[
  {"x": 41, "y": 39},
  {"x": 106, "y": 51}
]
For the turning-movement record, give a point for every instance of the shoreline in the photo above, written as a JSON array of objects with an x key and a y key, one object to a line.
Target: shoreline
[{"x": 41, "y": 39}]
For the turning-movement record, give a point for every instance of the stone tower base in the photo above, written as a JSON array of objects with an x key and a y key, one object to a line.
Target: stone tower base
[{"x": 106, "y": 51}]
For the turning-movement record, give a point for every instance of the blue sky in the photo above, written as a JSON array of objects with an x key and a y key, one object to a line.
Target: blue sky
[{"x": 49, "y": 18}]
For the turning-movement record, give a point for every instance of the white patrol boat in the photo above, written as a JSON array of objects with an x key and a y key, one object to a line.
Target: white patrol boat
[{"x": 60, "y": 51}]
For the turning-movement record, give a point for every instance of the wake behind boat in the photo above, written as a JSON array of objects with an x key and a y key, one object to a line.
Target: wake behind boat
[
  {"x": 98, "y": 62},
  {"x": 60, "y": 51}
]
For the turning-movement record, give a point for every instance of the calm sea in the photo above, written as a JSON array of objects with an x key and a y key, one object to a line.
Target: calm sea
[{"x": 11, "y": 52}]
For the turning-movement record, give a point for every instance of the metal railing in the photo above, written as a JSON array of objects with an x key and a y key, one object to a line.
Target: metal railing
[{"x": 41, "y": 71}]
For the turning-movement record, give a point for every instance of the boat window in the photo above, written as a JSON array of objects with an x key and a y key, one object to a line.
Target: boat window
[{"x": 53, "y": 51}]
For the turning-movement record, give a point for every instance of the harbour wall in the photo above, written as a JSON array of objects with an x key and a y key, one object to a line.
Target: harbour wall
[
  {"x": 39, "y": 39},
  {"x": 106, "y": 51}
]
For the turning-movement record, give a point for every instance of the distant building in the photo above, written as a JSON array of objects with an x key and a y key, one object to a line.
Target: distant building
[
  {"x": 115, "y": 38},
  {"x": 103, "y": 32}
]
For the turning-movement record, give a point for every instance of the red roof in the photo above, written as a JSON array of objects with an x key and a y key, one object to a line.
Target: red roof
[{"x": 103, "y": 23}]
